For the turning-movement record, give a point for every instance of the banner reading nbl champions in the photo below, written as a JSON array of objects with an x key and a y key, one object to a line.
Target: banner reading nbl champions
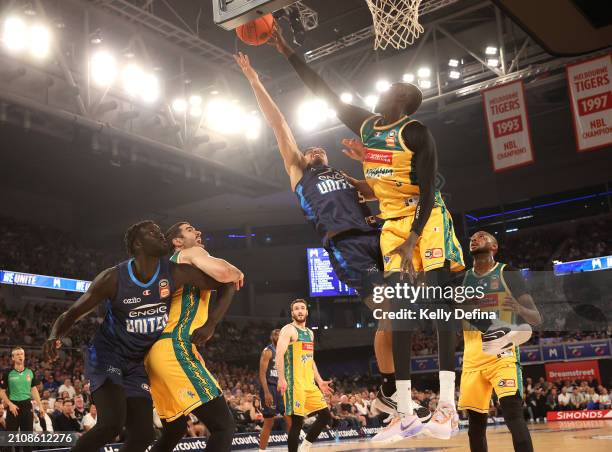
[
  {"x": 590, "y": 91},
  {"x": 508, "y": 126}
]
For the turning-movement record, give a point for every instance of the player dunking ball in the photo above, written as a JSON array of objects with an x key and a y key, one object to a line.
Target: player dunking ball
[
  {"x": 180, "y": 382},
  {"x": 136, "y": 294},
  {"x": 272, "y": 399},
  {"x": 400, "y": 163},
  {"x": 505, "y": 293},
  {"x": 299, "y": 380},
  {"x": 333, "y": 205}
]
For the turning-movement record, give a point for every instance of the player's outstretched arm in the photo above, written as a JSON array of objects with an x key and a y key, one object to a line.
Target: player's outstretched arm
[
  {"x": 352, "y": 116},
  {"x": 219, "y": 269},
  {"x": 103, "y": 287},
  {"x": 284, "y": 339},
  {"x": 289, "y": 150}
]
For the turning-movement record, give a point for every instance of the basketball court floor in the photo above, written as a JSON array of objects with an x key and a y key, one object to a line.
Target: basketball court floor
[{"x": 583, "y": 436}]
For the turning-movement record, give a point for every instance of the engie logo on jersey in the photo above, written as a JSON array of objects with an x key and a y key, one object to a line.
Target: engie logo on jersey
[
  {"x": 383, "y": 157},
  {"x": 164, "y": 288}
]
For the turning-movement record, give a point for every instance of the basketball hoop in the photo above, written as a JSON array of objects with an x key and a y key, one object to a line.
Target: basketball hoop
[{"x": 396, "y": 22}]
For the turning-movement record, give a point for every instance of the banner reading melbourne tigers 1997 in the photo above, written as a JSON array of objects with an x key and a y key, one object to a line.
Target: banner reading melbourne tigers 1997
[
  {"x": 508, "y": 126},
  {"x": 590, "y": 88}
]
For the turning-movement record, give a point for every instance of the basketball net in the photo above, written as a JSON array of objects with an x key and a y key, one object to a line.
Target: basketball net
[{"x": 396, "y": 22}]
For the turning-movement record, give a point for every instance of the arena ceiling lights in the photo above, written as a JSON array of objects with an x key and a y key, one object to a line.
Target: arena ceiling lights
[{"x": 25, "y": 36}]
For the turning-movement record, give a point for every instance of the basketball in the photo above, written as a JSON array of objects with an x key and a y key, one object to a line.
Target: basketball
[{"x": 256, "y": 32}]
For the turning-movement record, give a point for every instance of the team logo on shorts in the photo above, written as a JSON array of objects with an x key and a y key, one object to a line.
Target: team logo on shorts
[
  {"x": 145, "y": 387},
  {"x": 387, "y": 259},
  {"x": 164, "y": 288},
  {"x": 510, "y": 383},
  {"x": 297, "y": 404},
  {"x": 433, "y": 253}
]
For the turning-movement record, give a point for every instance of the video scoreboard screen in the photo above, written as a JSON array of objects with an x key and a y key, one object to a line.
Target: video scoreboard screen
[{"x": 322, "y": 279}]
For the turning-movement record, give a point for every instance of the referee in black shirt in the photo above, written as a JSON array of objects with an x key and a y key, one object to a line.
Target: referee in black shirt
[{"x": 17, "y": 388}]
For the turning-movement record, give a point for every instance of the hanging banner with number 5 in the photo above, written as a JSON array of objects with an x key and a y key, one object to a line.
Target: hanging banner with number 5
[
  {"x": 508, "y": 126},
  {"x": 590, "y": 90}
]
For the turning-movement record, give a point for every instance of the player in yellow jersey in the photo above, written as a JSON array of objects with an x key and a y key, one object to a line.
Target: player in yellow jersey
[
  {"x": 180, "y": 382},
  {"x": 400, "y": 164},
  {"x": 505, "y": 293},
  {"x": 298, "y": 378}
]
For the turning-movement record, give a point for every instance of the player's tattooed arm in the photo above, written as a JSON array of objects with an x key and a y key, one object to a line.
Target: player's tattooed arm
[
  {"x": 290, "y": 152},
  {"x": 352, "y": 116},
  {"x": 287, "y": 334},
  {"x": 103, "y": 287},
  {"x": 219, "y": 269}
]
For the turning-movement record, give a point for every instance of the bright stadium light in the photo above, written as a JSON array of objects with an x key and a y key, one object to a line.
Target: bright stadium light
[
  {"x": 424, "y": 72},
  {"x": 132, "y": 78},
  {"x": 331, "y": 113},
  {"x": 195, "y": 100},
  {"x": 425, "y": 84},
  {"x": 382, "y": 86},
  {"x": 179, "y": 105},
  {"x": 492, "y": 62},
  {"x": 103, "y": 68},
  {"x": 311, "y": 113},
  {"x": 408, "y": 78},
  {"x": 453, "y": 62},
  {"x": 347, "y": 98},
  {"x": 149, "y": 89},
  {"x": 196, "y": 112},
  {"x": 40, "y": 41},
  {"x": 371, "y": 100},
  {"x": 454, "y": 74},
  {"x": 252, "y": 126},
  {"x": 14, "y": 34},
  {"x": 221, "y": 116},
  {"x": 491, "y": 50}
]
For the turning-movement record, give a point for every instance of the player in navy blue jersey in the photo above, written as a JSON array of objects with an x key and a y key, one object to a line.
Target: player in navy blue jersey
[
  {"x": 271, "y": 400},
  {"x": 335, "y": 208},
  {"x": 136, "y": 294}
]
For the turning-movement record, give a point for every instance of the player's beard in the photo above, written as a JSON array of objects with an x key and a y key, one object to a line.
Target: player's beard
[
  {"x": 480, "y": 250},
  {"x": 297, "y": 320}
]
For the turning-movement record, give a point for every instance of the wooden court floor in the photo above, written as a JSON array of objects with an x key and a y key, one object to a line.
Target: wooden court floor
[{"x": 583, "y": 436}]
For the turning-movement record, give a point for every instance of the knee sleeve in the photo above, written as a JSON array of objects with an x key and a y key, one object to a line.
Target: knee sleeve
[
  {"x": 294, "y": 433},
  {"x": 477, "y": 431},
  {"x": 512, "y": 408},
  {"x": 171, "y": 435},
  {"x": 323, "y": 419}
]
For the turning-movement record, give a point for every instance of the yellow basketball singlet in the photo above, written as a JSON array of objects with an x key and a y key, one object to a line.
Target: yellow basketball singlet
[
  {"x": 302, "y": 396},
  {"x": 482, "y": 373},
  {"x": 180, "y": 381},
  {"x": 390, "y": 170}
]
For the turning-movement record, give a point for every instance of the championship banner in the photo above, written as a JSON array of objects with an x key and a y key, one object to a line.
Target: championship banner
[
  {"x": 590, "y": 91},
  {"x": 508, "y": 126},
  {"x": 584, "y": 415},
  {"x": 574, "y": 370}
]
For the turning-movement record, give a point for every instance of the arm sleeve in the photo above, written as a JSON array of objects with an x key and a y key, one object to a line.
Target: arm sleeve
[
  {"x": 421, "y": 142},
  {"x": 352, "y": 117},
  {"x": 515, "y": 281}
]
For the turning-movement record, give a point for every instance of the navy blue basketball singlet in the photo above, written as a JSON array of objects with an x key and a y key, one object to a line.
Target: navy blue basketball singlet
[
  {"x": 134, "y": 320},
  {"x": 331, "y": 203}
]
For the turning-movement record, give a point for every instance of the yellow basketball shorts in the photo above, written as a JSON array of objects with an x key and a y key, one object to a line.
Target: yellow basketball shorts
[
  {"x": 302, "y": 401},
  {"x": 179, "y": 379},
  {"x": 437, "y": 244},
  {"x": 477, "y": 385}
]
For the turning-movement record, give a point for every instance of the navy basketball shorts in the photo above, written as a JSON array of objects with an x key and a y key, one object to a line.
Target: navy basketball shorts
[
  {"x": 279, "y": 405},
  {"x": 102, "y": 364},
  {"x": 356, "y": 258}
]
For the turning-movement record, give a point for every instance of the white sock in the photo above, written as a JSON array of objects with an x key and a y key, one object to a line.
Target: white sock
[
  {"x": 447, "y": 386},
  {"x": 262, "y": 450},
  {"x": 404, "y": 396},
  {"x": 305, "y": 447}
]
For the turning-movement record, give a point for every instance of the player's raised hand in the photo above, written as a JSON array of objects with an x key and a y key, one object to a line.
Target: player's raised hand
[
  {"x": 240, "y": 282},
  {"x": 245, "y": 64},
  {"x": 278, "y": 41},
  {"x": 325, "y": 387},
  {"x": 50, "y": 348},
  {"x": 355, "y": 149}
]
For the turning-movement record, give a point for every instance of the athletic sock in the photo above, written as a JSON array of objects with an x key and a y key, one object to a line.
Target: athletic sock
[
  {"x": 404, "y": 399},
  {"x": 305, "y": 446},
  {"x": 388, "y": 385},
  {"x": 447, "y": 386}
]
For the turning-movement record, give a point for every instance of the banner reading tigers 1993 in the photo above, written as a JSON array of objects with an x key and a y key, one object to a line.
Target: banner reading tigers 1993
[
  {"x": 508, "y": 126},
  {"x": 591, "y": 98}
]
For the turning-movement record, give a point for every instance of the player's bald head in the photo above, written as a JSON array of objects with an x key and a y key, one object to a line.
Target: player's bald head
[{"x": 403, "y": 96}]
